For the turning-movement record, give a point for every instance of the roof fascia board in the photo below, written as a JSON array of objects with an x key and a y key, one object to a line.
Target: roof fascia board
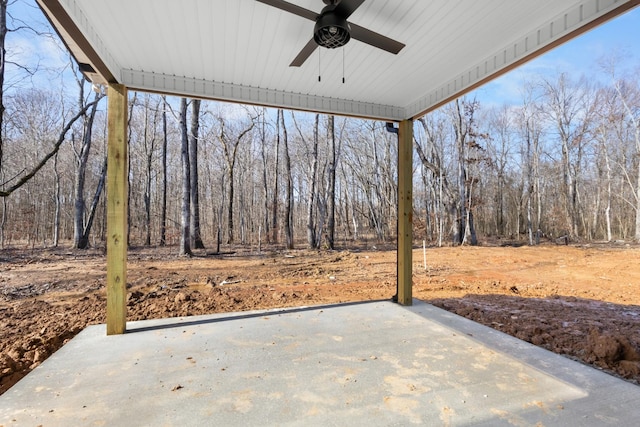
[
  {"x": 574, "y": 22},
  {"x": 205, "y": 89},
  {"x": 96, "y": 63}
]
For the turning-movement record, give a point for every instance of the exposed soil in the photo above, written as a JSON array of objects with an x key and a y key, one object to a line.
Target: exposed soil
[{"x": 582, "y": 302}]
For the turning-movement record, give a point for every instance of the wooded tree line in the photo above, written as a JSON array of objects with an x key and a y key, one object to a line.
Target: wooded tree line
[
  {"x": 202, "y": 173},
  {"x": 564, "y": 162}
]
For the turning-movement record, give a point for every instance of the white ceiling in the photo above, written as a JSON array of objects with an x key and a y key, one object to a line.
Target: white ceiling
[{"x": 240, "y": 50}]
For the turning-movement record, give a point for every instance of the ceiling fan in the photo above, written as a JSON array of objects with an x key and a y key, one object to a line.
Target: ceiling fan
[{"x": 332, "y": 28}]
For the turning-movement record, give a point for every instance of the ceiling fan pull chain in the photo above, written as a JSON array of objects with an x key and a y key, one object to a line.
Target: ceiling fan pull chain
[
  {"x": 343, "y": 48},
  {"x": 319, "y": 50}
]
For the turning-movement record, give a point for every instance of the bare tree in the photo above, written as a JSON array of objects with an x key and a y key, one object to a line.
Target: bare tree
[
  {"x": 331, "y": 220},
  {"x": 185, "y": 235},
  {"x": 288, "y": 205},
  {"x": 464, "y": 126},
  {"x": 230, "y": 145},
  {"x": 130, "y": 130},
  {"x": 80, "y": 234},
  {"x": 3, "y": 61},
  {"x": 604, "y": 129},
  {"x": 570, "y": 107},
  {"x": 27, "y": 176},
  {"x": 431, "y": 154},
  {"x": 629, "y": 95},
  {"x": 529, "y": 128},
  {"x": 276, "y": 180},
  {"x": 149, "y": 137},
  {"x": 84, "y": 240},
  {"x": 500, "y": 123},
  {"x": 371, "y": 155},
  {"x": 58, "y": 203},
  {"x": 196, "y": 237},
  {"x": 163, "y": 213},
  {"x": 312, "y": 238},
  {"x": 265, "y": 225}
]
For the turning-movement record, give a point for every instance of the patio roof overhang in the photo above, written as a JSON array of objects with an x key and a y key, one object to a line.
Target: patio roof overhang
[{"x": 240, "y": 50}]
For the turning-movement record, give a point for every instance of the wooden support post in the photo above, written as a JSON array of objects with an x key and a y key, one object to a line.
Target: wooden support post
[
  {"x": 117, "y": 200},
  {"x": 405, "y": 212}
]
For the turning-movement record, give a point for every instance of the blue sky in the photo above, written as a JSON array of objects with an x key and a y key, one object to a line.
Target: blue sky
[
  {"x": 578, "y": 57},
  {"x": 31, "y": 51}
]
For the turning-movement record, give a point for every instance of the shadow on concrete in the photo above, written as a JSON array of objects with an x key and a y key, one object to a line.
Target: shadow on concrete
[{"x": 207, "y": 319}]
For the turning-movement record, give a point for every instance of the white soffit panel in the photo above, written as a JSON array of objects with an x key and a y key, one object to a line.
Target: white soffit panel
[
  {"x": 240, "y": 50},
  {"x": 524, "y": 47}
]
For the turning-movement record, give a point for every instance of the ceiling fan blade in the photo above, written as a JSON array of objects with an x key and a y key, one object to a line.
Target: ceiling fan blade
[
  {"x": 291, "y": 8},
  {"x": 305, "y": 53},
  {"x": 374, "y": 39},
  {"x": 346, "y": 7}
]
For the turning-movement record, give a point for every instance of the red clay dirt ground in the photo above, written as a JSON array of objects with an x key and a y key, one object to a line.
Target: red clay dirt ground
[{"x": 579, "y": 301}]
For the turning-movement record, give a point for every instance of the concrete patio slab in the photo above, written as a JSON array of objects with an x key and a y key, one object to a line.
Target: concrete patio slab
[{"x": 364, "y": 364}]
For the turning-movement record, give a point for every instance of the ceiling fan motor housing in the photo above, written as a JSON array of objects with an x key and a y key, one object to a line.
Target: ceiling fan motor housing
[{"x": 331, "y": 31}]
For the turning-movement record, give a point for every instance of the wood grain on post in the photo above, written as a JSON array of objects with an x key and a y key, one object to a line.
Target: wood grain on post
[
  {"x": 405, "y": 211},
  {"x": 117, "y": 210}
]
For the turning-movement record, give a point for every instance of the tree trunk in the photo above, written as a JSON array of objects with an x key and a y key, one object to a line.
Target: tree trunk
[
  {"x": 94, "y": 205},
  {"x": 464, "y": 129},
  {"x": 607, "y": 211},
  {"x": 460, "y": 236},
  {"x": 265, "y": 181},
  {"x": 288, "y": 205},
  {"x": 536, "y": 183},
  {"x": 637, "y": 206},
  {"x": 331, "y": 221},
  {"x": 185, "y": 235},
  {"x": 83, "y": 158},
  {"x": 529, "y": 176},
  {"x": 440, "y": 209},
  {"x": 57, "y": 201},
  {"x": 470, "y": 227},
  {"x": 603, "y": 138},
  {"x": 3, "y": 54},
  {"x": 276, "y": 172},
  {"x": 230, "y": 196},
  {"x": 3, "y": 222},
  {"x": 147, "y": 201},
  {"x": 149, "y": 147},
  {"x": 132, "y": 103},
  {"x": 196, "y": 237},
  {"x": 163, "y": 214},
  {"x": 529, "y": 226},
  {"x": 311, "y": 227},
  {"x": 78, "y": 206}
]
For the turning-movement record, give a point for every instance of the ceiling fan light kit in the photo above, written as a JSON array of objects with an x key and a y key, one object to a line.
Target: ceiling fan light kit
[{"x": 331, "y": 31}]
